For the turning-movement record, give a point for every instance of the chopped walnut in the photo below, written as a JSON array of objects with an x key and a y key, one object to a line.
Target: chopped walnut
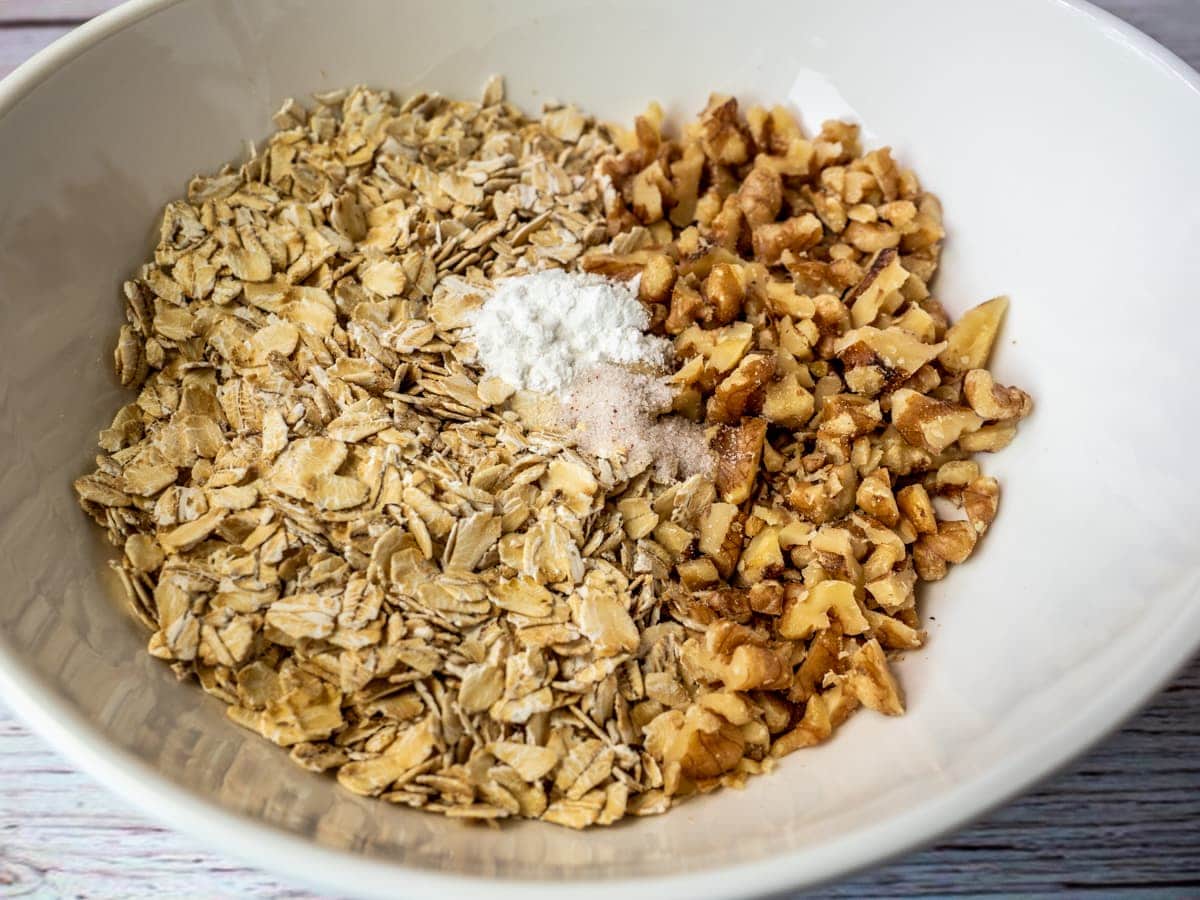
[
  {"x": 952, "y": 543},
  {"x": 917, "y": 508},
  {"x": 931, "y": 424},
  {"x": 658, "y": 277},
  {"x": 993, "y": 401},
  {"x": 810, "y": 610},
  {"x": 773, "y": 239},
  {"x": 875, "y": 498},
  {"x": 742, "y": 660},
  {"x": 840, "y": 399},
  {"x": 705, "y": 744},
  {"x": 686, "y": 173},
  {"x": 787, "y": 403},
  {"x": 766, "y": 598},
  {"x": 826, "y": 495},
  {"x": 762, "y": 557},
  {"x": 686, "y": 306},
  {"x": 742, "y": 389},
  {"x": 726, "y": 141},
  {"x": 969, "y": 340},
  {"x": 738, "y": 451},
  {"x": 724, "y": 291},
  {"x": 761, "y": 195},
  {"x": 871, "y": 682},
  {"x": 981, "y": 500},
  {"x": 989, "y": 438}
]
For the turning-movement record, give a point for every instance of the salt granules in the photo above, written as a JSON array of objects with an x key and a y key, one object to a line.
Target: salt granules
[{"x": 613, "y": 411}]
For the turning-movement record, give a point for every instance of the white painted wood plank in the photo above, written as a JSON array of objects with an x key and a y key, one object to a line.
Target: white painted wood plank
[
  {"x": 62, "y": 835},
  {"x": 1173, "y": 23},
  {"x": 18, "y": 44},
  {"x": 52, "y": 10}
]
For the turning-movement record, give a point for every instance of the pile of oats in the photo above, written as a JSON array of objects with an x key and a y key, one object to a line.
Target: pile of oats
[{"x": 333, "y": 522}]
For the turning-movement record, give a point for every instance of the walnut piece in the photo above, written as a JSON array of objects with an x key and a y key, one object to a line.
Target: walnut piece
[
  {"x": 742, "y": 389},
  {"x": 928, "y": 423},
  {"x": 738, "y": 450},
  {"x": 969, "y": 340},
  {"x": 993, "y": 401},
  {"x": 795, "y": 278},
  {"x": 773, "y": 239}
]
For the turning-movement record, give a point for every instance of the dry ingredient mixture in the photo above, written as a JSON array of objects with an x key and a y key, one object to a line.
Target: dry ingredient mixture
[
  {"x": 579, "y": 343},
  {"x": 336, "y": 521}
]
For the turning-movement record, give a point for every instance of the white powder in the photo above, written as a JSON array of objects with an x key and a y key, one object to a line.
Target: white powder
[{"x": 540, "y": 331}]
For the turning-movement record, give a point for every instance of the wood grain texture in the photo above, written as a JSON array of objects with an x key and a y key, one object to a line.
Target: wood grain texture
[
  {"x": 18, "y": 44},
  {"x": 1122, "y": 822},
  {"x": 1173, "y": 23},
  {"x": 64, "y": 11}
]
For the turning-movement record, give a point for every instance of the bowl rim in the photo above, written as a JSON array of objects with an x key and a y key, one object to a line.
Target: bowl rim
[{"x": 291, "y": 857}]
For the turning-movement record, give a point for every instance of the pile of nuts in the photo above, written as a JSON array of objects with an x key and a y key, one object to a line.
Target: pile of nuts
[{"x": 793, "y": 275}]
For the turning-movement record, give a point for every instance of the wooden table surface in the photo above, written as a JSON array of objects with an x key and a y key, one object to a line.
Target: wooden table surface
[{"x": 1124, "y": 821}]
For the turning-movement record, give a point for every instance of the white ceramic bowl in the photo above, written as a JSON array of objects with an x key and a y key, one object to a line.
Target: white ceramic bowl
[{"x": 1064, "y": 146}]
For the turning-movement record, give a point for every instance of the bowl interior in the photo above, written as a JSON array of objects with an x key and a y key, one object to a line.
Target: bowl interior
[{"x": 1067, "y": 170}]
